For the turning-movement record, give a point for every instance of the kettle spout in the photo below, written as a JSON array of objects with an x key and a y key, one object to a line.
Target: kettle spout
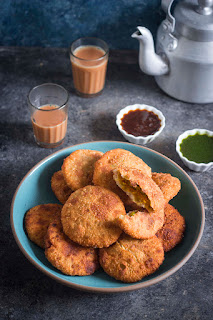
[{"x": 150, "y": 63}]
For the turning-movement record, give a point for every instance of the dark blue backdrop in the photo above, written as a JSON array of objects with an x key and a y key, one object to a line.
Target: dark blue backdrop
[{"x": 56, "y": 23}]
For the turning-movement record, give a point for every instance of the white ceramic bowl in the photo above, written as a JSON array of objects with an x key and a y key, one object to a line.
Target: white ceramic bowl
[
  {"x": 140, "y": 139},
  {"x": 191, "y": 164}
]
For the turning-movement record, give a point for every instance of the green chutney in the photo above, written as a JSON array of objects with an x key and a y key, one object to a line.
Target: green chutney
[{"x": 198, "y": 148}]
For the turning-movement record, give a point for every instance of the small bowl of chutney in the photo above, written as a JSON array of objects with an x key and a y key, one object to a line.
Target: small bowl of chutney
[
  {"x": 140, "y": 123},
  {"x": 195, "y": 148}
]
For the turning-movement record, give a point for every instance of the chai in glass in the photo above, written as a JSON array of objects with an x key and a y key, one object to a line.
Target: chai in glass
[
  {"x": 49, "y": 113},
  {"x": 49, "y": 125},
  {"x": 89, "y": 58}
]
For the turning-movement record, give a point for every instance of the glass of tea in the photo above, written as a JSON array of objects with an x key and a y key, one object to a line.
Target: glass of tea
[
  {"x": 48, "y": 105},
  {"x": 89, "y": 58}
]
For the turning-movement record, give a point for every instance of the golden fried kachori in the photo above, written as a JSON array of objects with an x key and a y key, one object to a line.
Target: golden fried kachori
[
  {"x": 59, "y": 187},
  {"x": 168, "y": 184},
  {"x": 66, "y": 255},
  {"x": 141, "y": 224},
  {"x": 173, "y": 229},
  {"x": 78, "y": 168},
  {"x": 38, "y": 219},
  {"x": 88, "y": 216},
  {"x": 130, "y": 260}
]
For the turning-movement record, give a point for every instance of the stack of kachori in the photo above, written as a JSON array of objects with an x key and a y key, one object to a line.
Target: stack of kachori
[{"x": 115, "y": 213}]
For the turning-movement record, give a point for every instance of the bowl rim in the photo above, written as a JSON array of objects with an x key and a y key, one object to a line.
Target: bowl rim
[
  {"x": 141, "y": 107},
  {"x": 132, "y": 287},
  {"x": 186, "y": 134}
]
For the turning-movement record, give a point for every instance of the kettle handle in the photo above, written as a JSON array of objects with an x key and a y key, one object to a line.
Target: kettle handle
[{"x": 166, "y": 6}]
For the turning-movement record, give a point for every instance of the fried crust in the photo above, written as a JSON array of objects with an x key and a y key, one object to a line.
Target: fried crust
[
  {"x": 130, "y": 260},
  {"x": 66, "y": 255},
  {"x": 173, "y": 229},
  {"x": 88, "y": 217},
  {"x": 140, "y": 188},
  {"x": 38, "y": 219},
  {"x": 59, "y": 187},
  {"x": 169, "y": 185},
  {"x": 103, "y": 172},
  {"x": 141, "y": 224},
  {"x": 78, "y": 168}
]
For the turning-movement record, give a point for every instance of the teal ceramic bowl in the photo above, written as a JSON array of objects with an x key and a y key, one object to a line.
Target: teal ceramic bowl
[{"x": 35, "y": 189}]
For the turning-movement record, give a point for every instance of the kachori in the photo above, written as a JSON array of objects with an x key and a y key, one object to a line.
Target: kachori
[
  {"x": 130, "y": 260},
  {"x": 103, "y": 172},
  {"x": 140, "y": 188},
  {"x": 169, "y": 185},
  {"x": 78, "y": 168},
  {"x": 66, "y": 255},
  {"x": 88, "y": 216},
  {"x": 173, "y": 229},
  {"x": 38, "y": 219},
  {"x": 141, "y": 224},
  {"x": 59, "y": 187}
]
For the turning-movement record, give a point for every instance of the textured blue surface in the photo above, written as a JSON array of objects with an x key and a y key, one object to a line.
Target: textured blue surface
[
  {"x": 54, "y": 23},
  {"x": 35, "y": 189}
]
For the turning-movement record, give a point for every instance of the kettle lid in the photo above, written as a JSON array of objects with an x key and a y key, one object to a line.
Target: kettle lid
[{"x": 194, "y": 19}]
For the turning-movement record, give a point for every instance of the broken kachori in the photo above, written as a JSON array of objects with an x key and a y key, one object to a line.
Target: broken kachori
[
  {"x": 103, "y": 172},
  {"x": 140, "y": 188}
]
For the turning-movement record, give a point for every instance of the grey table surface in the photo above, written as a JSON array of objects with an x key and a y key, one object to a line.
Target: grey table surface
[{"x": 25, "y": 292}]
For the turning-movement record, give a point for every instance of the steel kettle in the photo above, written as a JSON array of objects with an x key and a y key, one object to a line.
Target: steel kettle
[{"x": 183, "y": 61}]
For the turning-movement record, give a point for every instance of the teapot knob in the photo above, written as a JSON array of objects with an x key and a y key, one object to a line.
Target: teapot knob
[{"x": 205, "y": 7}]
